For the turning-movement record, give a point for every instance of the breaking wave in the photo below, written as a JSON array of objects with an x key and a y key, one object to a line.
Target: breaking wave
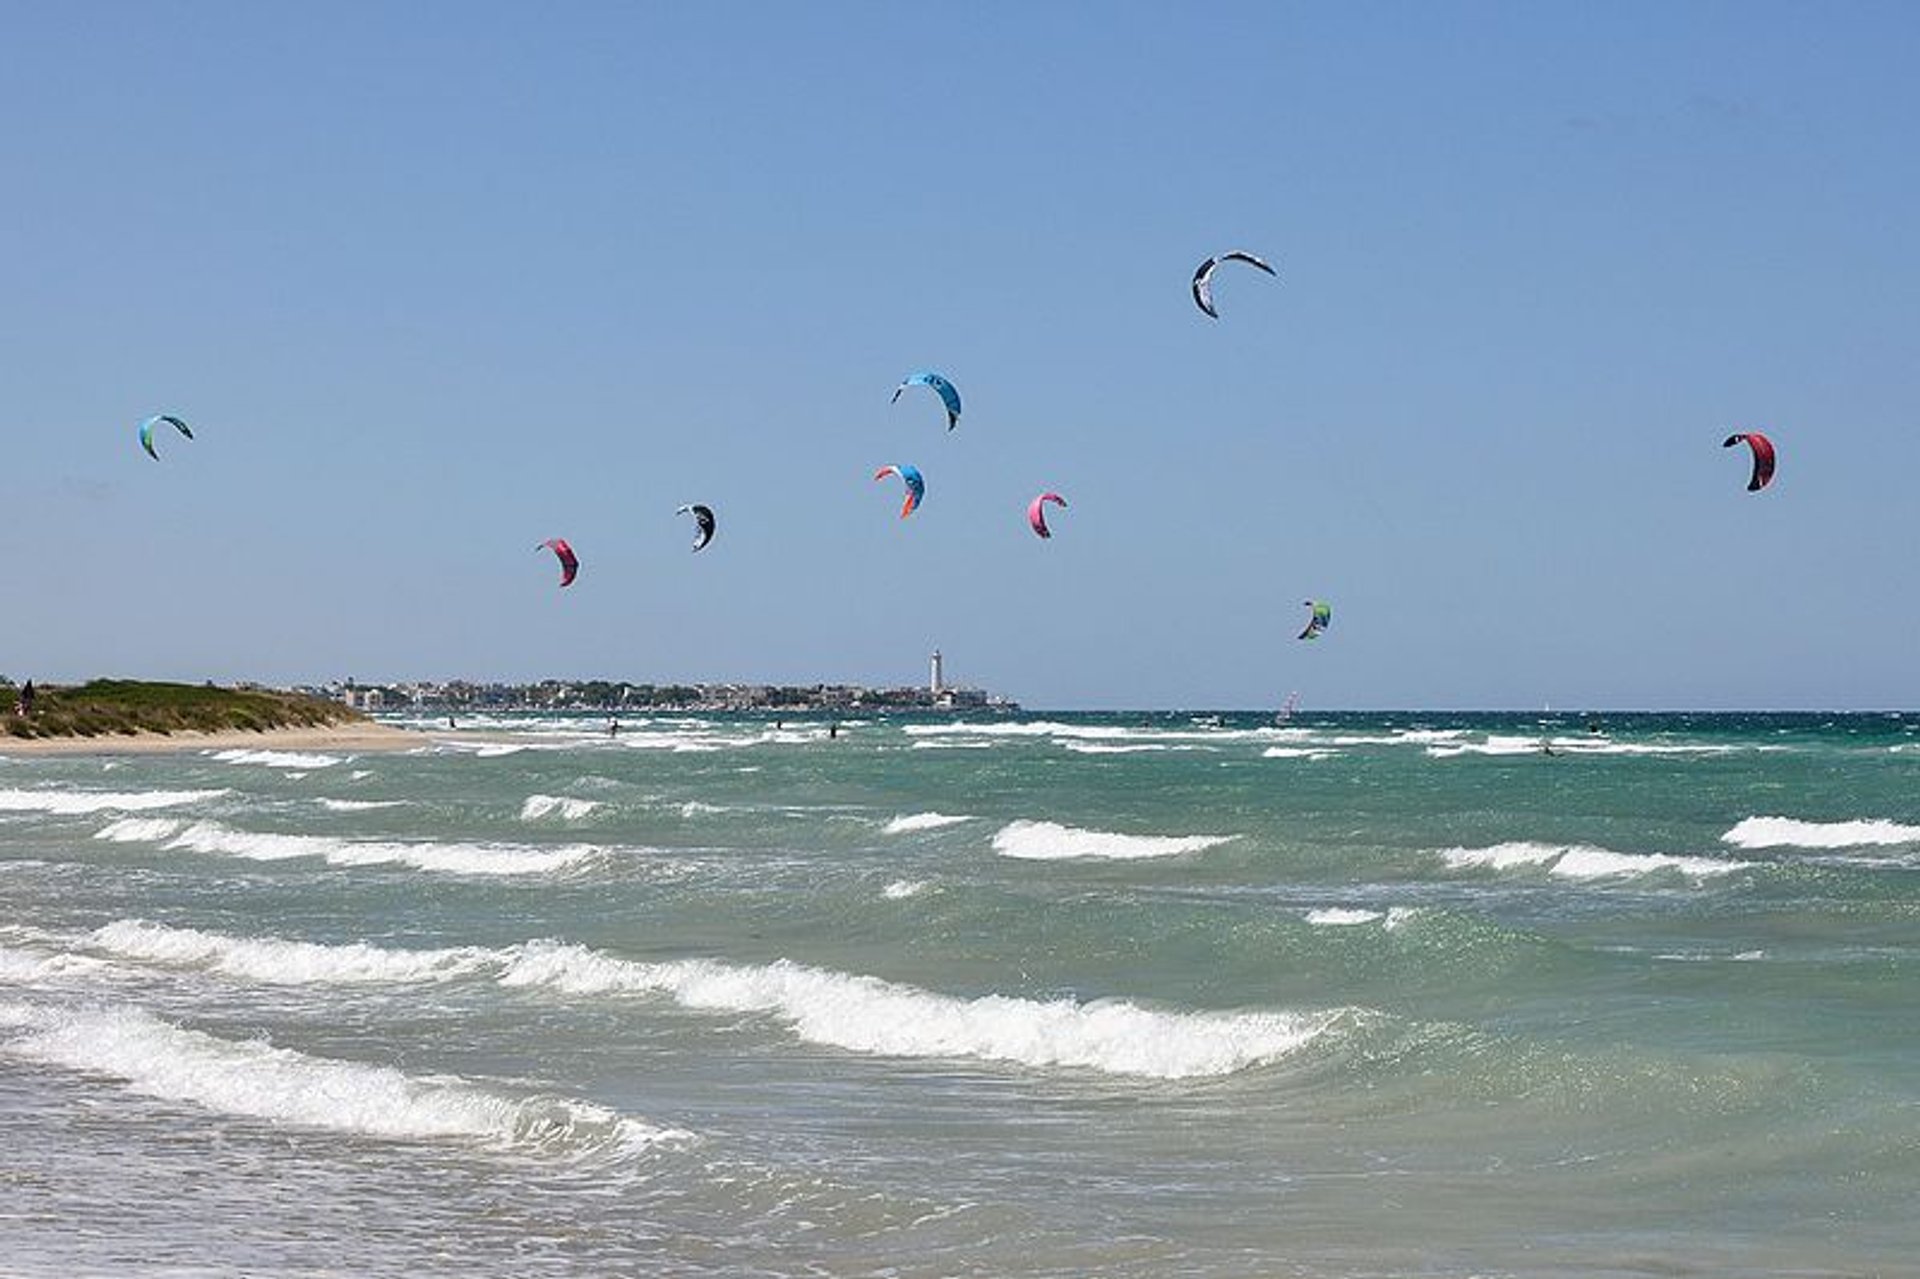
[
  {"x": 1787, "y": 832},
  {"x": 867, "y": 1015},
  {"x": 68, "y": 803},
  {"x": 278, "y": 759},
  {"x": 1579, "y": 861},
  {"x": 459, "y": 859},
  {"x": 1050, "y": 841},
  {"x": 857, "y": 1013},
  {"x": 284, "y": 962},
  {"x": 568, "y": 809},
  {"x": 921, "y": 821},
  {"x": 254, "y": 1079}
]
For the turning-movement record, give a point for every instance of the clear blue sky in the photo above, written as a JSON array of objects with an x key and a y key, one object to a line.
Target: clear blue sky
[{"x": 433, "y": 282}]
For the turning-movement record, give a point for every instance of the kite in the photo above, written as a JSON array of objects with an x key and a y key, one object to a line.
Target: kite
[
  {"x": 146, "y": 431},
  {"x": 1203, "y": 278},
  {"x": 1037, "y": 515},
  {"x": 1321, "y": 619},
  {"x": 703, "y": 517},
  {"x": 1762, "y": 457},
  {"x": 569, "y": 562},
  {"x": 910, "y": 476},
  {"x": 945, "y": 389}
]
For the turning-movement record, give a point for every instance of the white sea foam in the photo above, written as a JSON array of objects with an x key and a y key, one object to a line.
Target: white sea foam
[
  {"x": 1296, "y": 752},
  {"x": 681, "y": 743},
  {"x": 1788, "y": 832},
  {"x": 1050, "y": 841},
  {"x": 1067, "y": 734},
  {"x": 272, "y": 960},
  {"x": 902, "y": 888},
  {"x": 921, "y": 821},
  {"x": 139, "y": 830},
  {"x": 459, "y": 859},
  {"x": 67, "y": 802},
  {"x": 1507, "y": 744},
  {"x": 252, "y": 1078},
  {"x": 936, "y": 745},
  {"x": 1109, "y": 748},
  {"x": 1343, "y": 916},
  {"x": 1599, "y": 863},
  {"x": 1029, "y": 728},
  {"x": 1604, "y": 747},
  {"x": 358, "y": 805},
  {"x": 1579, "y": 861},
  {"x": 24, "y": 967},
  {"x": 1494, "y": 745},
  {"x": 567, "y": 808},
  {"x": 867, "y": 1015},
  {"x": 278, "y": 759},
  {"x": 1503, "y": 856}
]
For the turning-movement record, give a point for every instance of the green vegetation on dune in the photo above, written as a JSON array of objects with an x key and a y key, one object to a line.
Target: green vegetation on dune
[{"x": 105, "y": 707}]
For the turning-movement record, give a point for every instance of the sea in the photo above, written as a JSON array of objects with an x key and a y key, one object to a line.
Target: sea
[{"x": 1032, "y": 994}]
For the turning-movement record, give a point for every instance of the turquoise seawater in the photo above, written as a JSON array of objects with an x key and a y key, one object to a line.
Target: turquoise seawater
[{"x": 1065, "y": 995}]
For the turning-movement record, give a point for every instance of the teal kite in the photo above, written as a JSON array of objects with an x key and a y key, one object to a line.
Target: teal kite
[{"x": 146, "y": 431}]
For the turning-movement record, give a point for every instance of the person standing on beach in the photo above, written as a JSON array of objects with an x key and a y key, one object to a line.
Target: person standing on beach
[{"x": 25, "y": 706}]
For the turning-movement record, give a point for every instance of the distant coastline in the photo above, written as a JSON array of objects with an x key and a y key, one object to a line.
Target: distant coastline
[
  {"x": 133, "y": 716},
  {"x": 617, "y": 695}
]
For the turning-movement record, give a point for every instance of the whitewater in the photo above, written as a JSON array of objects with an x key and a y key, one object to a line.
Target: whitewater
[{"x": 1053, "y": 994}]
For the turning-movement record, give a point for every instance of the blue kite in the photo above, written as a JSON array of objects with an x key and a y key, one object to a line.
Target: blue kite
[
  {"x": 945, "y": 389},
  {"x": 910, "y": 476}
]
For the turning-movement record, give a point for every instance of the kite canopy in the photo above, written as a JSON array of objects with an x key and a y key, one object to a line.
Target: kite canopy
[
  {"x": 703, "y": 519},
  {"x": 1203, "y": 278},
  {"x": 949, "y": 396},
  {"x": 1321, "y": 619},
  {"x": 1762, "y": 457},
  {"x": 1037, "y": 515},
  {"x": 146, "y": 431},
  {"x": 569, "y": 562},
  {"x": 910, "y": 476}
]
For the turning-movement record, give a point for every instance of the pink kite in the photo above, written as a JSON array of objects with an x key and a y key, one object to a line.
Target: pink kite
[
  {"x": 569, "y": 562},
  {"x": 1037, "y": 515}
]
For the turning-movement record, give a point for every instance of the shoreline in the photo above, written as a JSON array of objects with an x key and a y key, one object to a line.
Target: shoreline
[{"x": 340, "y": 737}]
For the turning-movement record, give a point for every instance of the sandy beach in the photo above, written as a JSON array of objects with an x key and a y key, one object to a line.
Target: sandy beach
[{"x": 337, "y": 737}]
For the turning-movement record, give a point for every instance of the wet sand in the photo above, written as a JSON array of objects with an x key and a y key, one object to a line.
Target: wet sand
[{"x": 336, "y": 737}]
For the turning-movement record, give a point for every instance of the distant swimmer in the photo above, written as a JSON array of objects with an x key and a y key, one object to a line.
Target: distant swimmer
[
  {"x": 450, "y": 723},
  {"x": 613, "y": 728},
  {"x": 833, "y": 730}
]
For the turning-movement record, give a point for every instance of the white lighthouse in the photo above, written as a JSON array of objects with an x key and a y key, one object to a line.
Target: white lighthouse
[{"x": 934, "y": 681}]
